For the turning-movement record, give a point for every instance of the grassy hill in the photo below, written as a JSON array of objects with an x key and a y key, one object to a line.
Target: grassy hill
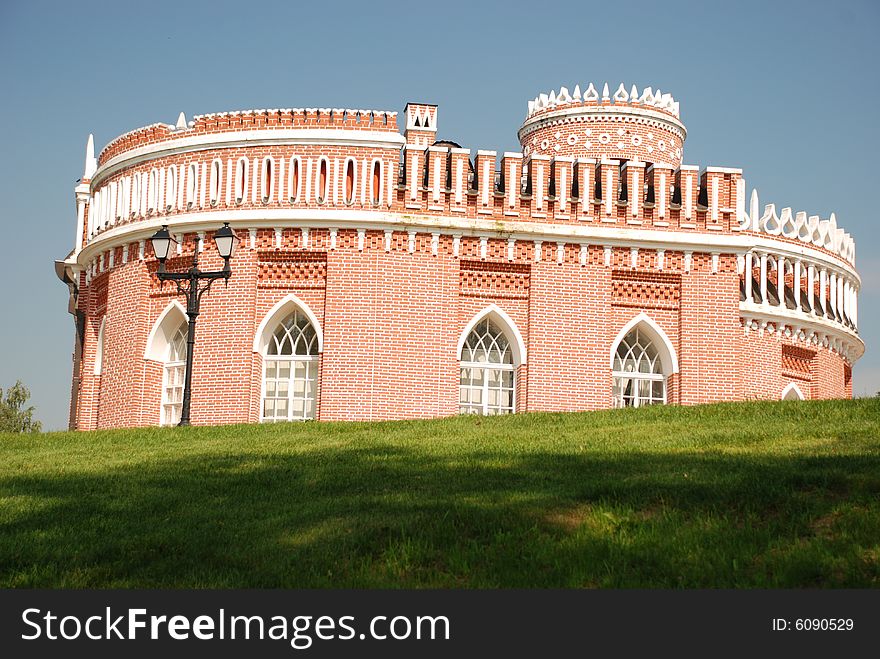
[{"x": 733, "y": 495}]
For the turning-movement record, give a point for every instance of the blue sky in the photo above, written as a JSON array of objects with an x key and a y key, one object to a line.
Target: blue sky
[{"x": 786, "y": 90}]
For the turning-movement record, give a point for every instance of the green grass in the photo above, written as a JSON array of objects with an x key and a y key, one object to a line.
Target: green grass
[{"x": 733, "y": 495}]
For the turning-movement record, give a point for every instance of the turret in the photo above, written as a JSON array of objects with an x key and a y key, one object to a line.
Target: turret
[
  {"x": 624, "y": 125},
  {"x": 421, "y": 124}
]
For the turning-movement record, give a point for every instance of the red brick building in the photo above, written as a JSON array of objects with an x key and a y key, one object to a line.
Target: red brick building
[{"x": 384, "y": 275}]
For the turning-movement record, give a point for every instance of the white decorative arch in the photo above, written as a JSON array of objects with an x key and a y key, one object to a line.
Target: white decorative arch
[
  {"x": 509, "y": 327},
  {"x": 668, "y": 356},
  {"x": 99, "y": 348},
  {"x": 163, "y": 331},
  {"x": 792, "y": 392},
  {"x": 277, "y": 313}
]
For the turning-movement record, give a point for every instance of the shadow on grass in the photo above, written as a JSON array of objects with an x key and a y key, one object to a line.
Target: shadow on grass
[{"x": 381, "y": 516}]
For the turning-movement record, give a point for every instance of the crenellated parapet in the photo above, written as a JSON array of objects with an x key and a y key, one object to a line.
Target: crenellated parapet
[{"x": 244, "y": 120}]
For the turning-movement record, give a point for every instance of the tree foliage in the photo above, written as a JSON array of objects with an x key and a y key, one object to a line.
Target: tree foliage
[{"x": 14, "y": 416}]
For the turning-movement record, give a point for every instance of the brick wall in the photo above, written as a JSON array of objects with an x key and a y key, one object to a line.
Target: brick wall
[{"x": 392, "y": 320}]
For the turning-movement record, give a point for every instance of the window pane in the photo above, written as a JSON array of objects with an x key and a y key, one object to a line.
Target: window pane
[
  {"x": 658, "y": 386},
  {"x": 506, "y": 398},
  {"x": 494, "y": 377}
]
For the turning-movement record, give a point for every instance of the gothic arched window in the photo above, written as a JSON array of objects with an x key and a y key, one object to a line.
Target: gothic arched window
[
  {"x": 290, "y": 370},
  {"x": 172, "y": 378},
  {"x": 488, "y": 376},
  {"x": 638, "y": 372}
]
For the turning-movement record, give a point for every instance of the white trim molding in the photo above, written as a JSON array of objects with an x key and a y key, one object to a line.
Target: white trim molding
[
  {"x": 792, "y": 388},
  {"x": 518, "y": 229},
  {"x": 168, "y": 322},
  {"x": 99, "y": 350}
]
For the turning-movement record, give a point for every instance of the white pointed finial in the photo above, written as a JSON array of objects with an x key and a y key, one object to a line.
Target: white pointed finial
[
  {"x": 91, "y": 163},
  {"x": 181, "y": 121},
  {"x": 605, "y": 95},
  {"x": 634, "y": 94},
  {"x": 577, "y": 93},
  {"x": 754, "y": 209},
  {"x": 591, "y": 94},
  {"x": 620, "y": 96}
]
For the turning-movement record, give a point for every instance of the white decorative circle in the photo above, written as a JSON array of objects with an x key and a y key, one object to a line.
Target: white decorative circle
[
  {"x": 678, "y": 153},
  {"x": 544, "y": 144},
  {"x": 620, "y": 131},
  {"x": 572, "y": 140},
  {"x": 636, "y": 140},
  {"x": 620, "y": 145},
  {"x": 661, "y": 145},
  {"x": 604, "y": 138}
]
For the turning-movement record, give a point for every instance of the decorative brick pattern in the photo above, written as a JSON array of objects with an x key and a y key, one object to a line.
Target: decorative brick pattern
[
  {"x": 644, "y": 290},
  {"x": 797, "y": 362},
  {"x": 494, "y": 280},
  {"x": 281, "y": 269}
]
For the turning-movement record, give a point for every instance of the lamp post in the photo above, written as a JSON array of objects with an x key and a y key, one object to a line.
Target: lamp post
[{"x": 189, "y": 284}]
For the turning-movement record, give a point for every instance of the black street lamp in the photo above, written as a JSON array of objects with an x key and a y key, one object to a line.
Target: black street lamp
[{"x": 188, "y": 284}]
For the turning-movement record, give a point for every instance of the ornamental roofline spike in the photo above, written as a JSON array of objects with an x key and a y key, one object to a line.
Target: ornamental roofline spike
[
  {"x": 648, "y": 98},
  {"x": 91, "y": 164}
]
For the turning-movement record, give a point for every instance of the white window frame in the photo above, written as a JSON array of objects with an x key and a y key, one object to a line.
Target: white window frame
[
  {"x": 309, "y": 360},
  {"x": 485, "y": 367},
  {"x": 617, "y": 400},
  {"x": 178, "y": 366}
]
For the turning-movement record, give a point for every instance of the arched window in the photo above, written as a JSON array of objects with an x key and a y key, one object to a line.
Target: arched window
[
  {"x": 172, "y": 378},
  {"x": 791, "y": 391},
  {"x": 99, "y": 348},
  {"x": 290, "y": 370},
  {"x": 487, "y": 371},
  {"x": 638, "y": 371}
]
